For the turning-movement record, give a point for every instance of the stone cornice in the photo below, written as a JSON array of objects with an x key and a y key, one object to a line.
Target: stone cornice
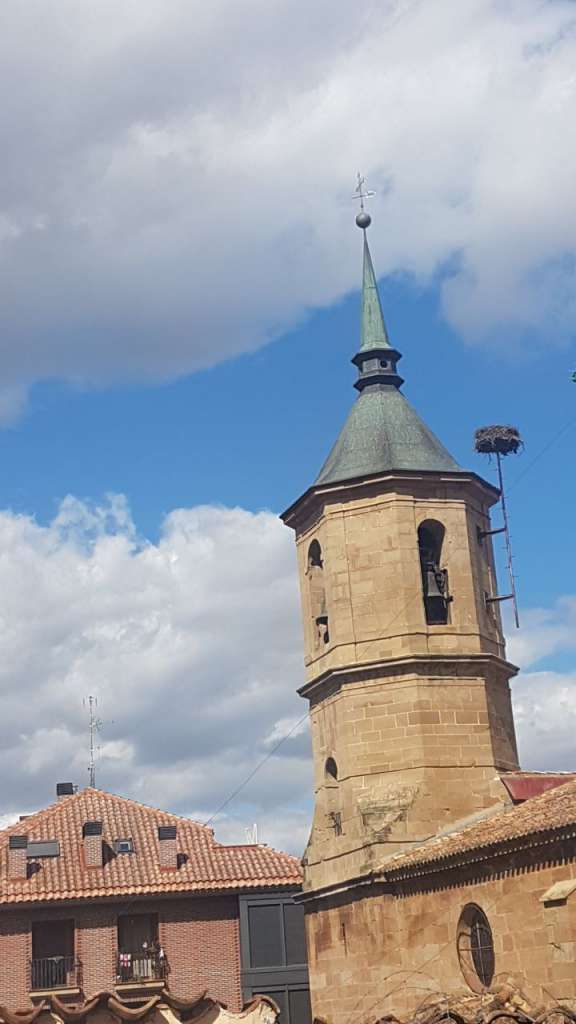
[
  {"x": 304, "y": 505},
  {"x": 420, "y": 664}
]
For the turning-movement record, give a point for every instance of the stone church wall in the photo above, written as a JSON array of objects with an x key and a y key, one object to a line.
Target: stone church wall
[{"x": 385, "y": 953}]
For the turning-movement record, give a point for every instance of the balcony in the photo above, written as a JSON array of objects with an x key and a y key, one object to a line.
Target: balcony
[
  {"x": 55, "y": 972},
  {"x": 141, "y": 967}
]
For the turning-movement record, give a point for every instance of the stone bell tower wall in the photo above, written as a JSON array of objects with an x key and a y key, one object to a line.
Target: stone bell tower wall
[
  {"x": 416, "y": 748},
  {"x": 367, "y": 532},
  {"x": 411, "y": 722}
]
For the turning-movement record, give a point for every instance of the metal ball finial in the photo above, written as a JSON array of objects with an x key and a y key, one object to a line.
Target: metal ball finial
[{"x": 363, "y": 220}]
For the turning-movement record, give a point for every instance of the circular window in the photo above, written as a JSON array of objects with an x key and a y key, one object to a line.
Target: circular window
[{"x": 475, "y": 948}]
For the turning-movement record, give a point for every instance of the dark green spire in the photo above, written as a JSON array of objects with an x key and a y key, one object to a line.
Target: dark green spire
[
  {"x": 373, "y": 332},
  {"x": 383, "y": 433}
]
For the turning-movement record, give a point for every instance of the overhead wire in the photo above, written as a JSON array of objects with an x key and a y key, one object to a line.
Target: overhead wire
[
  {"x": 256, "y": 769},
  {"x": 291, "y": 731},
  {"x": 549, "y": 444}
]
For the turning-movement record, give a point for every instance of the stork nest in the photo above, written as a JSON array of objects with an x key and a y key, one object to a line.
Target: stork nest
[{"x": 497, "y": 440}]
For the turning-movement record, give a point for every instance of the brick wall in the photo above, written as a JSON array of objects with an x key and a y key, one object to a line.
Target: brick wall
[
  {"x": 15, "y": 951},
  {"x": 383, "y": 953},
  {"x": 200, "y": 937},
  {"x": 202, "y": 940}
]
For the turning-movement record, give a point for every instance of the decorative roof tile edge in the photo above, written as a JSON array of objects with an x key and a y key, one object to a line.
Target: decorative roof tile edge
[{"x": 186, "y": 1009}]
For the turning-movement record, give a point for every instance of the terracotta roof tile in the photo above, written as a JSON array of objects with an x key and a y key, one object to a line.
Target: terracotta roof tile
[
  {"x": 207, "y": 865},
  {"x": 552, "y": 810}
]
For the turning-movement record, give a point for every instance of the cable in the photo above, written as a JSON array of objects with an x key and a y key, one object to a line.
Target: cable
[
  {"x": 288, "y": 734},
  {"x": 546, "y": 448},
  {"x": 256, "y": 769}
]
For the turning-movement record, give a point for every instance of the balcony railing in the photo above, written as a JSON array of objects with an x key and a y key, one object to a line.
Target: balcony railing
[
  {"x": 55, "y": 972},
  {"x": 141, "y": 966}
]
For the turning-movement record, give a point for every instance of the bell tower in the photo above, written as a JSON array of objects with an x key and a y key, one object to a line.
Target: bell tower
[{"x": 405, "y": 666}]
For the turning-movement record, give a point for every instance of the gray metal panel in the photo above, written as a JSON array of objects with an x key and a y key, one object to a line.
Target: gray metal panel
[
  {"x": 262, "y": 979},
  {"x": 43, "y": 848}
]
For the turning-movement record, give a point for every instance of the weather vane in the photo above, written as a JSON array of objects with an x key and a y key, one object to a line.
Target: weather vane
[{"x": 363, "y": 219}]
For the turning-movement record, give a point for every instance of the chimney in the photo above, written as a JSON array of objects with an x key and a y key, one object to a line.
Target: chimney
[
  {"x": 17, "y": 852},
  {"x": 167, "y": 846},
  {"x": 64, "y": 789},
  {"x": 92, "y": 841}
]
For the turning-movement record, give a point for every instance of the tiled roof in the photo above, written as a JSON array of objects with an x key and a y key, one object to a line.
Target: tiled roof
[
  {"x": 205, "y": 864},
  {"x": 553, "y": 810}
]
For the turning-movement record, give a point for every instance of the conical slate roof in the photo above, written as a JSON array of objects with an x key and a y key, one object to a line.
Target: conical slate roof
[{"x": 383, "y": 432}]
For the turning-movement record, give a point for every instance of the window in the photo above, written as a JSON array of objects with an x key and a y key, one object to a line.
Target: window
[
  {"x": 140, "y": 956},
  {"x": 475, "y": 948},
  {"x": 123, "y": 846},
  {"x": 53, "y": 964},
  {"x": 332, "y": 796},
  {"x": 317, "y": 589},
  {"x": 276, "y": 934},
  {"x": 434, "y": 578},
  {"x": 273, "y": 954}
]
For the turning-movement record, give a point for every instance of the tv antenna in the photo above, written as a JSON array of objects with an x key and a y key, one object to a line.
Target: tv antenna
[
  {"x": 501, "y": 441},
  {"x": 96, "y": 726},
  {"x": 252, "y": 834}
]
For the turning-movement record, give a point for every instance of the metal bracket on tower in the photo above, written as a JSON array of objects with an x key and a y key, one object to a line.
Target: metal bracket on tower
[{"x": 499, "y": 441}]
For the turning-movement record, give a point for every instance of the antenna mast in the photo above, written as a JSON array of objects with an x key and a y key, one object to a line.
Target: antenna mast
[
  {"x": 500, "y": 441},
  {"x": 95, "y": 729}
]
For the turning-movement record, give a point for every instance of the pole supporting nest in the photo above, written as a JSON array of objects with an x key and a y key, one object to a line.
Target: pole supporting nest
[{"x": 501, "y": 441}]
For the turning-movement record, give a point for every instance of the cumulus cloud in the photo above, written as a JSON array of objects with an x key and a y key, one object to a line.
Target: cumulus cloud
[
  {"x": 191, "y": 645},
  {"x": 544, "y": 699},
  {"x": 176, "y": 176},
  {"x": 545, "y": 711},
  {"x": 544, "y": 632}
]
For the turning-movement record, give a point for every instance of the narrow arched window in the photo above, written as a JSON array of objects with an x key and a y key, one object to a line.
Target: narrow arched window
[
  {"x": 332, "y": 796},
  {"x": 434, "y": 576},
  {"x": 317, "y": 589}
]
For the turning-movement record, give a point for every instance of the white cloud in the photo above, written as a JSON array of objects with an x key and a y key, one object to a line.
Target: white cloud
[
  {"x": 545, "y": 711},
  {"x": 192, "y": 647},
  {"x": 545, "y": 700},
  {"x": 176, "y": 176},
  {"x": 544, "y": 632}
]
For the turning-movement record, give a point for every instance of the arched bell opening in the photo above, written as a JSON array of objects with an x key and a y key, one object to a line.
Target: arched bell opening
[
  {"x": 434, "y": 577},
  {"x": 317, "y": 591}
]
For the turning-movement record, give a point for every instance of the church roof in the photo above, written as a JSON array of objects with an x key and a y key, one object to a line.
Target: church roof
[
  {"x": 204, "y": 864},
  {"x": 534, "y": 821},
  {"x": 383, "y": 432}
]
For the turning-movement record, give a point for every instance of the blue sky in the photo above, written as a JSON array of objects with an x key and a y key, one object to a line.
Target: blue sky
[
  {"x": 179, "y": 274},
  {"x": 254, "y": 430}
]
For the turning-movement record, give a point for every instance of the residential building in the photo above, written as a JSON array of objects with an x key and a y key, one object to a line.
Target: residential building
[
  {"x": 99, "y": 893},
  {"x": 427, "y": 869}
]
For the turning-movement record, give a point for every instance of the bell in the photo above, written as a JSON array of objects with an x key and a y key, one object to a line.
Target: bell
[{"x": 435, "y": 584}]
